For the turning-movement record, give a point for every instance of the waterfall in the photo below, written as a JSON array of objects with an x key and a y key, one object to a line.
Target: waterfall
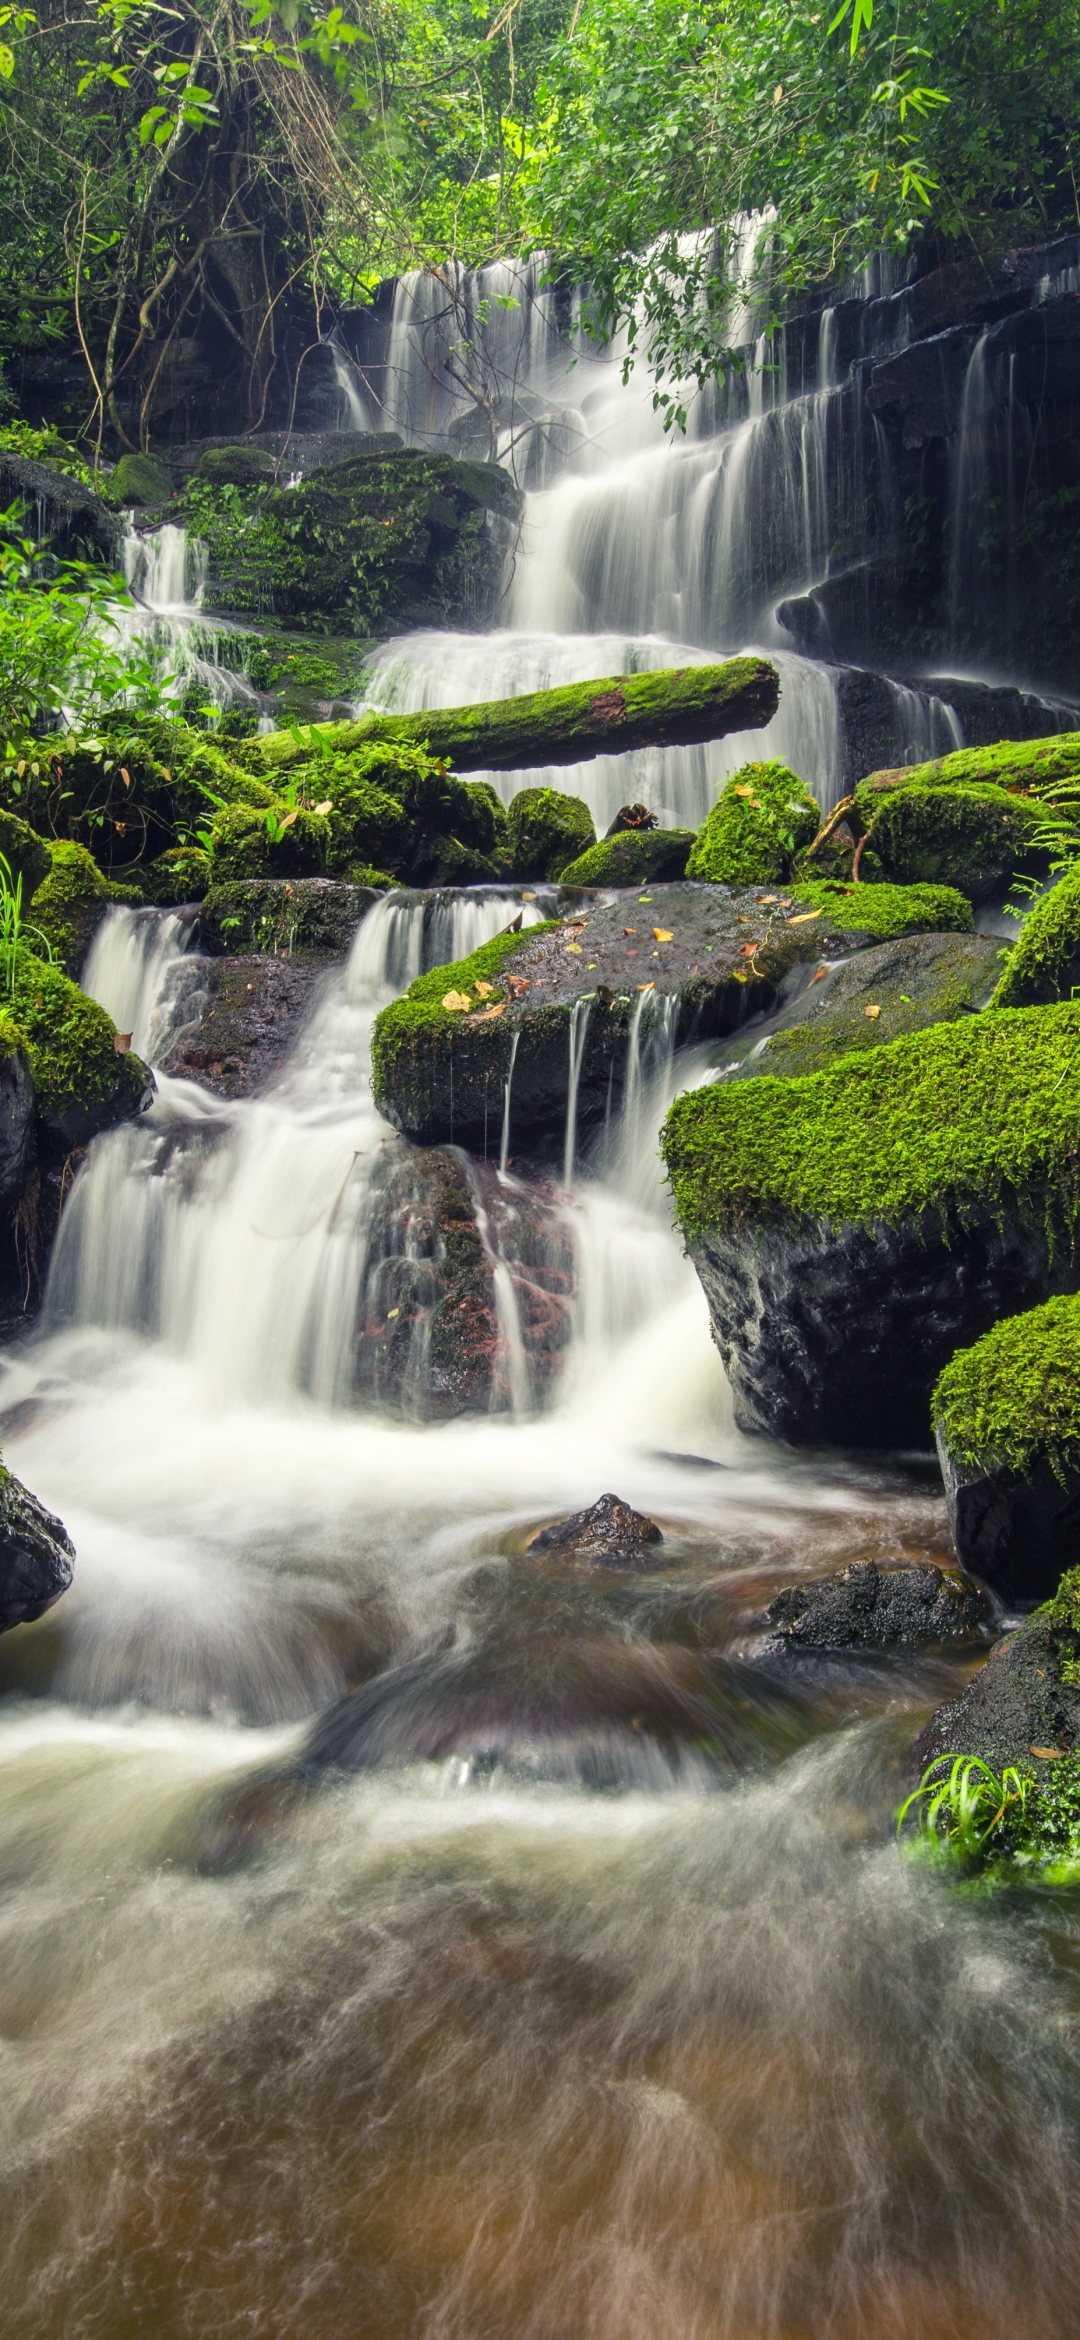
[
  {"x": 579, "y": 1026},
  {"x": 139, "y": 972},
  {"x": 356, "y": 414},
  {"x": 166, "y": 573}
]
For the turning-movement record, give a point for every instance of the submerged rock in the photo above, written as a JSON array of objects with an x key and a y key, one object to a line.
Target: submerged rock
[
  {"x": 610, "y": 992},
  {"x": 36, "y": 1555},
  {"x": 608, "y": 1535},
  {"x": 867, "y": 1607},
  {"x": 854, "y": 1228},
  {"x": 1007, "y": 1421},
  {"x": 876, "y": 996}
]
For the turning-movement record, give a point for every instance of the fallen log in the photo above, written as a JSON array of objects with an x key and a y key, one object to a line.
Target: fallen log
[{"x": 677, "y": 707}]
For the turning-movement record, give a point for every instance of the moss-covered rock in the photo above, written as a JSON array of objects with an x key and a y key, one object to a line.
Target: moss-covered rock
[
  {"x": 854, "y": 1228},
  {"x": 383, "y": 541},
  {"x": 1031, "y": 765},
  {"x": 285, "y": 840},
  {"x": 760, "y": 822},
  {"x": 16, "y": 1108},
  {"x": 138, "y": 479},
  {"x": 1044, "y": 962},
  {"x": 285, "y": 915},
  {"x": 237, "y": 466},
  {"x": 974, "y": 838},
  {"x": 1023, "y": 1709},
  {"x": 883, "y": 913},
  {"x": 183, "y": 874},
  {"x": 70, "y": 904},
  {"x": 82, "y": 1083},
  {"x": 1007, "y": 1420},
  {"x": 546, "y": 831},
  {"x": 874, "y": 997},
  {"x": 632, "y": 858},
  {"x": 26, "y": 854}
]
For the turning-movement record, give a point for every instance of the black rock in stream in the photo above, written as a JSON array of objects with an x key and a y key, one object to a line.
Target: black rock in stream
[
  {"x": 253, "y": 1008},
  {"x": 867, "y": 1607},
  {"x": 37, "y": 1555},
  {"x": 1024, "y": 1702},
  {"x": 1020, "y": 1530},
  {"x": 608, "y": 1535}
]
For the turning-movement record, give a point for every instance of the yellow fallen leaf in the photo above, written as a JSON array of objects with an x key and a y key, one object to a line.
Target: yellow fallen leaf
[
  {"x": 327, "y": 807},
  {"x": 1050, "y": 1754},
  {"x": 662, "y": 934},
  {"x": 872, "y": 1011},
  {"x": 805, "y": 916},
  {"x": 646, "y": 987},
  {"x": 122, "y": 1043},
  {"x": 485, "y": 990},
  {"x": 574, "y": 947},
  {"x": 457, "y": 1003},
  {"x": 392, "y": 1312},
  {"x": 485, "y": 1015}
]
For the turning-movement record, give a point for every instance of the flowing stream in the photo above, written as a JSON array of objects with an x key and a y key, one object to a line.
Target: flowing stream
[{"x": 588, "y": 1993}]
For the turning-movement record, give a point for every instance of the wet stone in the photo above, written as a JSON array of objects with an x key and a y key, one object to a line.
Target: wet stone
[
  {"x": 254, "y": 1009},
  {"x": 866, "y": 1607},
  {"x": 36, "y": 1556},
  {"x": 608, "y": 1535}
]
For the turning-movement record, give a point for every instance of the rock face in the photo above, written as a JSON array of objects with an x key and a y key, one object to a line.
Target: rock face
[
  {"x": 16, "y": 1121},
  {"x": 1019, "y": 1702},
  {"x": 1019, "y": 1530},
  {"x": 876, "y": 996},
  {"x": 608, "y": 1535},
  {"x": 467, "y": 1291},
  {"x": 611, "y": 989},
  {"x": 283, "y": 915},
  {"x": 852, "y": 1230},
  {"x": 36, "y": 1555},
  {"x": 1007, "y": 1420},
  {"x": 254, "y": 1009},
  {"x": 871, "y": 1608}
]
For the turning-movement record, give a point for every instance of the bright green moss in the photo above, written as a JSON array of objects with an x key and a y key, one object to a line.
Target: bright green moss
[
  {"x": 886, "y": 912},
  {"x": 1035, "y": 764},
  {"x": 137, "y": 479},
  {"x": 546, "y": 830},
  {"x": 421, "y": 1006},
  {"x": 68, "y": 907},
  {"x": 247, "y": 846},
  {"x": 636, "y": 857},
  {"x": 69, "y": 1043},
  {"x": 764, "y": 817},
  {"x": 26, "y": 854},
  {"x": 967, "y": 837},
  {"x": 1014, "y": 1397},
  {"x": 958, "y": 1120},
  {"x": 1044, "y": 963}
]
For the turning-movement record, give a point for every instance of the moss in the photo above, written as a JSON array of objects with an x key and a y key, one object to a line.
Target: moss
[
  {"x": 81, "y": 1083},
  {"x": 1044, "y": 962},
  {"x": 763, "y": 818},
  {"x": 69, "y": 906},
  {"x": 1035, "y": 765},
  {"x": 909, "y": 985},
  {"x": 280, "y": 915},
  {"x": 420, "y": 1009},
  {"x": 483, "y": 793},
  {"x": 632, "y": 858},
  {"x": 137, "y": 479},
  {"x": 180, "y": 875},
  {"x": 972, "y": 838},
  {"x": 886, "y": 912},
  {"x": 1014, "y": 1397},
  {"x": 26, "y": 854},
  {"x": 545, "y": 830},
  {"x": 248, "y": 847},
  {"x": 956, "y": 1120},
  {"x": 237, "y": 466}
]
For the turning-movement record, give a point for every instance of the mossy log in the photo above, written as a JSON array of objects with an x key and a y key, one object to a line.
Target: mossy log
[{"x": 677, "y": 707}]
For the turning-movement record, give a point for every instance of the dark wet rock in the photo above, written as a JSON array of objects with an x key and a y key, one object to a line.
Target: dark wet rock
[
  {"x": 608, "y": 1535},
  {"x": 922, "y": 979},
  {"x": 435, "y": 1336},
  {"x": 440, "y": 1075},
  {"x": 871, "y": 1608},
  {"x": 254, "y": 1008},
  {"x": 603, "y": 1709},
  {"x": 1026, "y": 1697},
  {"x": 16, "y": 1122},
  {"x": 1018, "y": 1529},
  {"x": 283, "y": 916},
  {"x": 36, "y": 1555},
  {"x": 75, "y": 519}
]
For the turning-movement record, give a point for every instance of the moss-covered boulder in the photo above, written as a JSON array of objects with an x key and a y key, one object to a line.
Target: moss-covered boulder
[
  {"x": 883, "y": 913},
  {"x": 612, "y": 988},
  {"x": 546, "y": 831},
  {"x": 1007, "y": 1420},
  {"x": 380, "y": 542},
  {"x": 37, "y": 1555},
  {"x": 876, "y": 996},
  {"x": 632, "y": 857},
  {"x": 83, "y": 1082},
  {"x": 284, "y": 916},
  {"x": 71, "y": 902},
  {"x": 282, "y": 840},
  {"x": 854, "y": 1228},
  {"x": 138, "y": 479},
  {"x": 1033, "y": 766},
  {"x": 16, "y": 1108},
  {"x": 760, "y": 822},
  {"x": 1044, "y": 962},
  {"x": 238, "y": 466},
  {"x": 972, "y": 838},
  {"x": 26, "y": 854},
  {"x": 183, "y": 874}
]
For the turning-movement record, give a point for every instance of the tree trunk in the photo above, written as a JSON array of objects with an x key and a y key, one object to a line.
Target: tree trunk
[{"x": 674, "y": 708}]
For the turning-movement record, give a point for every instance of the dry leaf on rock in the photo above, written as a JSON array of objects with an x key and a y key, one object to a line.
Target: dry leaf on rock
[{"x": 456, "y": 1003}]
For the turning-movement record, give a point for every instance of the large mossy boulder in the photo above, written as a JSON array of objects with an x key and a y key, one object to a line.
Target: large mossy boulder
[
  {"x": 283, "y": 916},
  {"x": 37, "y": 1555},
  {"x": 546, "y": 831},
  {"x": 854, "y": 1228},
  {"x": 972, "y": 838},
  {"x": 83, "y": 1081},
  {"x": 612, "y": 989},
  {"x": 1044, "y": 962},
  {"x": 380, "y": 542},
  {"x": 138, "y": 479},
  {"x": 883, "y": 913},
  {"x": 758, "y": 825},
  {"x": 1007, "y": 1420},
  {"x": 71, "y": 902},
  {"x": 876, "y": 996},
  {"x": 632, "y": 858}
]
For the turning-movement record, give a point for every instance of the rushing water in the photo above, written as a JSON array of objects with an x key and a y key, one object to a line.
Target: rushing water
[{"x": 591, "y": 1996}]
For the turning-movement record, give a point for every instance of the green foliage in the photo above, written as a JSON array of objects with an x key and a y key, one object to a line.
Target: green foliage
[
  {"x": 966, "y": 1816},
  {"x": 961, "y": 1120},
  {"x": 1014, "y": 1397},
  {"x": 546, "y": 830},
  {"x": 14, "y": 929},
  {"x": 634, "y": 858},
  {"x": 759, "y": 823},
  {"x": 62, "y": 661},
  {"x": 1044, "y": 962},
  {"x": 885, "y": 912},
  {"x": 44, "y": 446}
]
